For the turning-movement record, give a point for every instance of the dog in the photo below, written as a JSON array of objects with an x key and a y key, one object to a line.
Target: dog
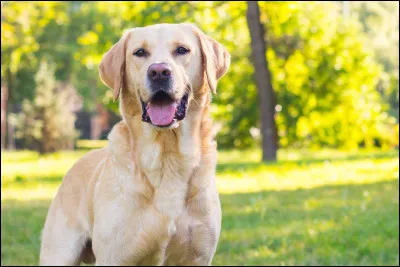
[{"x": 150, "y": 196}]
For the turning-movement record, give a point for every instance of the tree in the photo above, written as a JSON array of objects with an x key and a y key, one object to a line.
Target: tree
[
  {"x": 47, "y": 123},
  {"x": 22, "y": 24},
  {"x": 263, "y": 81}
]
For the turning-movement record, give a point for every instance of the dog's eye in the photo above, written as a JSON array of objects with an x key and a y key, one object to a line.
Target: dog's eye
[
  {"x": 140, "y": 52},
  {"x": 182, "y": 50}
]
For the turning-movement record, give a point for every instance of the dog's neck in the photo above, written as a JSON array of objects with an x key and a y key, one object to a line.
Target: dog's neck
[{"x": 171, "y": 154}]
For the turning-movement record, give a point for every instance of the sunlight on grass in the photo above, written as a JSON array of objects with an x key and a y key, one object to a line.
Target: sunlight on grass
[
  {"x": 243, "y": 172},
  {"x": 29, "y": 193},
  {"x": 292, "y": 176},
  {"x": 36, "y": 178},
  {"x": 25, "y": 175}
]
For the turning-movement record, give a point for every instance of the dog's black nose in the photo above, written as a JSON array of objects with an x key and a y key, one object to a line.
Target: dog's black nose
[{"x": 159, "y": 72}]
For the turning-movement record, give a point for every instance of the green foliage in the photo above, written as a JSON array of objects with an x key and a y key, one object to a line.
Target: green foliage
[
  {"x": 324, "y": 78},
  {"x": 325, "y": 75},
  {"x": 380, "y": 22},
  {"x": 47, "y": 123}
]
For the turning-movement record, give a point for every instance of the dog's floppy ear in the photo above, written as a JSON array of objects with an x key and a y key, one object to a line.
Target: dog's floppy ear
[
  {"x": 216, "y": 59},
  {"x": 112, "y": 66}
]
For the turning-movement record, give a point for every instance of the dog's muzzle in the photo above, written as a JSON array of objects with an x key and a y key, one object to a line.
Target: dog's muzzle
[{"x": 162, "y": 110}]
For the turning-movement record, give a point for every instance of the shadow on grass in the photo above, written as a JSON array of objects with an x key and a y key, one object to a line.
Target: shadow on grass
[
  {"x": 305, "y": 161},
  {"x": 330, "y": 225}
]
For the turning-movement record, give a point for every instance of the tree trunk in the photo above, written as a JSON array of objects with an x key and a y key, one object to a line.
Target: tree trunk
[
  {"x": 4, "y": 98},
  {"x": 11, "y": 109},
  {"x": 263, "y": 82},
  {"x": 11, "y": 139}
]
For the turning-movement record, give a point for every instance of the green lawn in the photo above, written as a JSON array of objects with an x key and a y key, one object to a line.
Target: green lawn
[{"x": 312, "y": 208}]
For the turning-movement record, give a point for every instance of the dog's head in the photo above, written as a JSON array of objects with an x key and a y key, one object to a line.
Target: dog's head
[{"x": 164, "y": 65}]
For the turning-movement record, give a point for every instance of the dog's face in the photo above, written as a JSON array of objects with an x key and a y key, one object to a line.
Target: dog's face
[{"x": 164, "y": 65}]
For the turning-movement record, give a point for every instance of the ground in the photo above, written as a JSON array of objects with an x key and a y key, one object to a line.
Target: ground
[{"x": 322, "y": 207}]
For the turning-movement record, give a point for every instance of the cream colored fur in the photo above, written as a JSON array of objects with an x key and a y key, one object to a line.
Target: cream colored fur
[{"x": 150, "y": 197}]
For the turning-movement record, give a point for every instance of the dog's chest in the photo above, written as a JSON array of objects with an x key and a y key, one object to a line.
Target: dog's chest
[
  {"x": 161, "y": 225},
  {"x": 168, "y": 174},
  {"x": 175, "y": 245},
  {"x": 178, "y": 242}
]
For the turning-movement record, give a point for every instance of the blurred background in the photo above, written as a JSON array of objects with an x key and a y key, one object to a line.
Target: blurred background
[{"x": 309, "y": 127}]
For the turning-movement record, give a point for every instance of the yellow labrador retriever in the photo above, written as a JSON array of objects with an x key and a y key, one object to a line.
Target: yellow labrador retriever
[{"x": 150, "y": 197}]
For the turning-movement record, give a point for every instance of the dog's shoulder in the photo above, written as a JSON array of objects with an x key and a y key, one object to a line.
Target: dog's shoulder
[
  {"x": 120, "y": 145},
  {"x": 84, "y": 167},
  {"x": 119, "y": 137}
]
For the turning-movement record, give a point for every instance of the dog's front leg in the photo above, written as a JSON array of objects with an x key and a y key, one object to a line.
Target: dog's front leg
[{"x": 204, "y": 229}]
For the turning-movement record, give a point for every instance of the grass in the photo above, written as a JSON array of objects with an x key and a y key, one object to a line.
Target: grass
[{"x": 312, "y": 208}]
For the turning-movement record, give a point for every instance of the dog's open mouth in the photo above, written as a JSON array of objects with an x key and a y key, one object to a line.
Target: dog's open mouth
[{"x": 162, "y": 110}]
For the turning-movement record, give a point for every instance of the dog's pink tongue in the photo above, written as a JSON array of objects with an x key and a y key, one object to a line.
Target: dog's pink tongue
[{"x": 162, "y": 114}]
